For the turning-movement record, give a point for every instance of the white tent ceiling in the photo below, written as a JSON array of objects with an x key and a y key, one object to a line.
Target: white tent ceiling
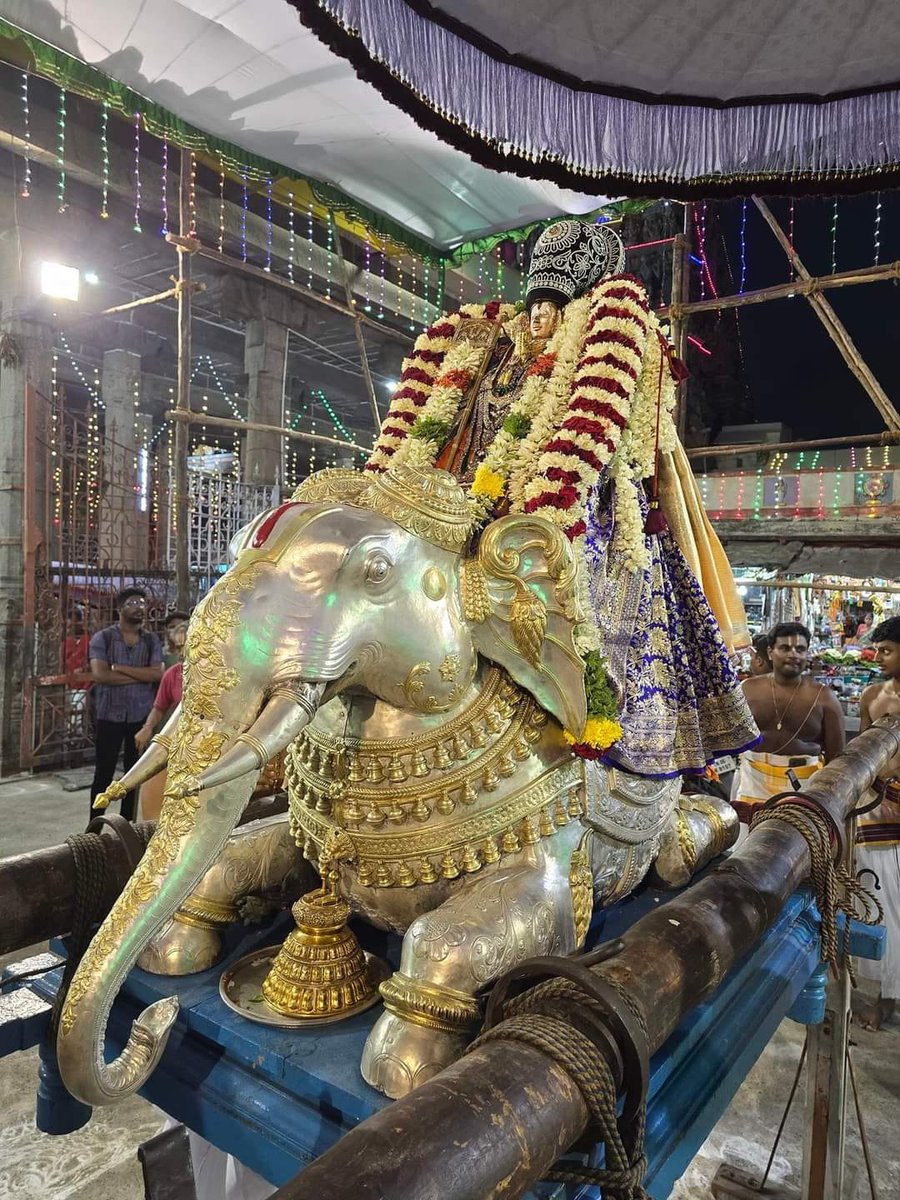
[{"x": 249, "y": 72}]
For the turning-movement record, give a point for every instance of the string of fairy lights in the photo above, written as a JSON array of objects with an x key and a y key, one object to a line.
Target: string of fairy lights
[
  {"x": 291, "y": 231},
  {"x": 862, "y": 483}
]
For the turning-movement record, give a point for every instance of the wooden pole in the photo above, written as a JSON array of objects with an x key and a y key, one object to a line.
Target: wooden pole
[
  {"x": 883, "y": 273},
  {"x": 817, "y": 585},
  {"x": 890, "y": 437},
  {"x": 195, "y": 418},
  {"x": 181, "y": 500},
  {"x": 836, "y": 330},
  {"x": 357, "y": 323}
]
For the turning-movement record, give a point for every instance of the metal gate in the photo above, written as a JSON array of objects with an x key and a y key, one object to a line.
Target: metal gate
[
  {"x": 96, "y": 519},
  {"x": 90, "y": 530}
]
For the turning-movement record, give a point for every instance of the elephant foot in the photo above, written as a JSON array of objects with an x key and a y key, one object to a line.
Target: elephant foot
[
  {"x": 399, "y": 1055},
  {"x": 699, "y": 829},
  {"x": 182, "y": 950}
]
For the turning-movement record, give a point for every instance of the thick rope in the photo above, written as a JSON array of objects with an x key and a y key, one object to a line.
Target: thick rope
[
  {"x": 526, "y": 1019},
  {"x": 837, "y": 891},
  {"x": 90, "y": 888}
]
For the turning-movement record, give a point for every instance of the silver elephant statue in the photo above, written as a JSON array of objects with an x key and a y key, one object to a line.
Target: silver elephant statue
[{"x": 422, "y": 693}]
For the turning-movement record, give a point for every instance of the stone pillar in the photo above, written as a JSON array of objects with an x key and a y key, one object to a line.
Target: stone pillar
[
  {"x": 265, "y": 346},
  {"x": 124, "y": 528},
  {"x": 27, "y": 343}
]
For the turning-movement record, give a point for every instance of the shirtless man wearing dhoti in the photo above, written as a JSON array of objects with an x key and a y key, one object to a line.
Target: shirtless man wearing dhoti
[
  {"x": 878, "y": 832},
  {"x": 801, "y": 723}
]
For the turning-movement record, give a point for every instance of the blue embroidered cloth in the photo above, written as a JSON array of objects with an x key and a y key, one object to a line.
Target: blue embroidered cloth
[{"x": 680, "y": 702}]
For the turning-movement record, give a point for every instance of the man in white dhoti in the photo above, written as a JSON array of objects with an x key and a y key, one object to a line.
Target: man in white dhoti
[
  {"x": 878, "y": 832},
  {"x": 801, "y": 723}
]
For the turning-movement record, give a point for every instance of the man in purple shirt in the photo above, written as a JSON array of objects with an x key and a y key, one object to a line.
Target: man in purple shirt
[{"x": 127, "y": 664}]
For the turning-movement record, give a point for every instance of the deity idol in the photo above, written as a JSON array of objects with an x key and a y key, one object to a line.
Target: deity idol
[{"x": 565, "y": 410}]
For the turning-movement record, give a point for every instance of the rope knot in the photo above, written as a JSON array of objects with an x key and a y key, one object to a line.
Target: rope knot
[{"x": 837, "y": 891}]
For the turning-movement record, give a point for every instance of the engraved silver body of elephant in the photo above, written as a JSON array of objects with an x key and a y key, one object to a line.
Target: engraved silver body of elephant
[{"x": 421, "y": 692}]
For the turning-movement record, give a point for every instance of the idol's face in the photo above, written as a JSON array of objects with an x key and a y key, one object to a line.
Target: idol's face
[{"x": 543, "y": 319}]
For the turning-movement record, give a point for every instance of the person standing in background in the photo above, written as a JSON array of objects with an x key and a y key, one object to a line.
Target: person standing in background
[
  {"x": 175, "y": 630},
  {"x": 126, "y": 665},
  {"x": 760, "y": 663},
  {"x": 168, "y": 697},
  {"x": 878, "y": 831},
  {"x": 801, "y": 723}
]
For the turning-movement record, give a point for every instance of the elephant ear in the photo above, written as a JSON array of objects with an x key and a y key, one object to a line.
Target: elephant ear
[{"x": 519, "y": 592}]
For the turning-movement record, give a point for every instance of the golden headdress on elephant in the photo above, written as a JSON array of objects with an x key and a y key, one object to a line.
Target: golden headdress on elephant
[{"x": 565, "y": 411}]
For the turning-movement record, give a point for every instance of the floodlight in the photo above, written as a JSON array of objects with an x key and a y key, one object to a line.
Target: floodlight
[
  {"x": 92, "y": 278},
  {"x": 59, "y": 281},
  {"x": 391, "y": 385}
]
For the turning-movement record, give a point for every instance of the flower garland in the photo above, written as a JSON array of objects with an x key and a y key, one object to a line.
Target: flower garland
[
  {"x": 416, "y": 380},
  {"x": 433, "y": 381},
  {"x": 599, "y": 398},
  {"x": 434, "y": 423}
]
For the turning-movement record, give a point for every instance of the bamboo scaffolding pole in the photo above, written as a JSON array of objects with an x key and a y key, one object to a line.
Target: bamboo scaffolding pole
[
  {"x": 818, "y": 585},
  {"x": 357, "y": 323},
  {"x": 883, "y": 273},
  {"x": 889, "y": 437},
  {"x": 195, "y": 418},
  {"x": 166, "y": 295},
  {"x": 836, "y": 330}
]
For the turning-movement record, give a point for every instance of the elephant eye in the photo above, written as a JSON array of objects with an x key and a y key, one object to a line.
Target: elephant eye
[{"x": 377, "y": 568}]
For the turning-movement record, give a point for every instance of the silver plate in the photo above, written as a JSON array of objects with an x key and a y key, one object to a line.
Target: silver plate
[{"x": 241, "y": 989}]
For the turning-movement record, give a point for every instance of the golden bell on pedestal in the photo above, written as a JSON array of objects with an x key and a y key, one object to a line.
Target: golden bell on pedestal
[{"x": 321, "y": 971}]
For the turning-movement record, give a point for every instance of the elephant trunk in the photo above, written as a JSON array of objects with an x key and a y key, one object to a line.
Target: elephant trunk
[{"x": 225, "y": 696}]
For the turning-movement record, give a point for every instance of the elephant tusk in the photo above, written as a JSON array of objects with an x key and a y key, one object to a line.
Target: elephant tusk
[
  {"x": 151, "y": 762},
  {"x": 288, "y": 710}
]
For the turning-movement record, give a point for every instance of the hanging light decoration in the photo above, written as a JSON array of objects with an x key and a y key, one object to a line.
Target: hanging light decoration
[
  {"x": 104, "y": 161},
  {"x": 791, "y": 235},
  {"x": 834, "y": 230},
  {"x": 367, "y": 274},
  {"x": 291, "y": 237},
  {"x": 877, "y": 235},
  {"x": 399, "y": 308},
  {"x": 329, "y": 249},
  {"x": 743, "y": 246},
  {"x": 245, "y": 201},
  {"x": 61, "y": 201},
  {"x": 441, "y": 286},
  {"x": 164, "y": 196},
  {"x": 310, "y": 242},
  {"x": 192, "y": 197},
  {"x": 221, "y": 243},
  {"x": 26, "y": 116},
  {"x": 136, "y": 174},
  {"x": 382, "y": 281},
  {"x": 268, "y": 266}
]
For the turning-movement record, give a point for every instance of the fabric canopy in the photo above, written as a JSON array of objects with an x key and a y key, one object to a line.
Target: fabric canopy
[
  {"x": 249, "y": 73},
  {"x": 687, "y": 98}
]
